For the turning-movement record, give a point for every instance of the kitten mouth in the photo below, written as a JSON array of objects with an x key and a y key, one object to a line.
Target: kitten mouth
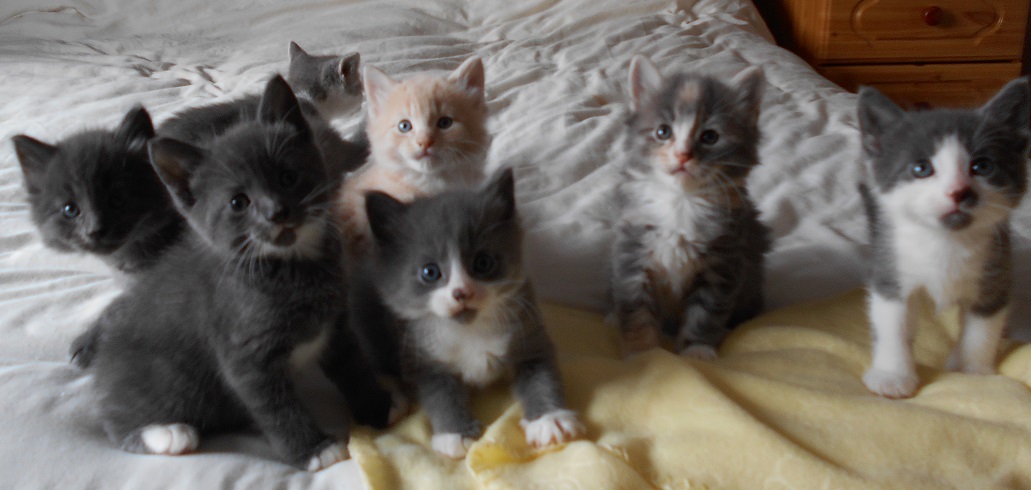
[
  {"x": 956, "y": 220},
  {"x": 286, "y": 237},
  {"x": 465, "y": 315}
]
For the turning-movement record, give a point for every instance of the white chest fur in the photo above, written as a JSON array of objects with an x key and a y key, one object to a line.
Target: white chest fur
[
  {"x": 476, "y": 352},
  {"x": 307, "y": 353},
  {"x": 947, "y": 265}
]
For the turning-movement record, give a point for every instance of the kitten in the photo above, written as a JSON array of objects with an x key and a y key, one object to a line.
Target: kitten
[
  {"x": 426, "y": 134},
  {"x": 447, "y": 307},
  {"x": 327, "y": 87},
  {"x": 205, "y": 341},
  {"x": 688, "y": 260},
  {"x": 943, "y": 185}
]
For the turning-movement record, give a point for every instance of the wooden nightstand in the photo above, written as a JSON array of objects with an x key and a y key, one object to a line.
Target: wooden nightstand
[{"x": 918, "y": 52}]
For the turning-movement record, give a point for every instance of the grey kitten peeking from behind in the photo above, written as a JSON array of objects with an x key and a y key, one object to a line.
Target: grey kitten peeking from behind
[
  {"x": 944, "y": 183},
  {"x": 332, "y": 83},
  {"x": 446, "y": 306},
  {"x": 95, "y": 192},
  {"x": 688, "y": 260},
  {"x": 206, "y": 341}
]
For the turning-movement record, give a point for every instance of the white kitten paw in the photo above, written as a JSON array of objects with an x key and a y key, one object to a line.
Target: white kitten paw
[
  {"x": 172, "y": 439},
  {"x": 552, "y": 428},
  {"x": 451, "y": 444},
  {"x": 330, "y": 455},
  {"x": 701, "y": 352},
  {"x": 891, "y": 384}
]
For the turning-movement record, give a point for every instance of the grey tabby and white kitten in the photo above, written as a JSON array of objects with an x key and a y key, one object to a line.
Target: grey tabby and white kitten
[
  {"x": 688, "y": 260},
  {"x": 206, "y": 340},
  {"x": 944, "y": 183},
  {"x": 446, "y": 307}
]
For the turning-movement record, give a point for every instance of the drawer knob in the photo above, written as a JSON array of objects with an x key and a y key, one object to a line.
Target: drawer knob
[{"x": 933, "y": 16}]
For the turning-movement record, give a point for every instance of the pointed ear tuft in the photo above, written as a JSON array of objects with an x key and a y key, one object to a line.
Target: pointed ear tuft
[
  {"x": 749, "y": 85},
  {"x": 877, "y": 114},
  {"x": 470, "y": 75},
  {"x": 136, "y": 129},
  {"x": 279, "y": 104},
  {"x": 175, "y": 162},
  {"x": 377, "y": 85},
  {"x": 644, "y": 80},
  {"x": 385, "y": 214},
  {"x": 500, "y": 195},
  {"x": 296, "y": 52},
  {"x": 1011, "y": 105},
  {"x": 34, "y": 157}
]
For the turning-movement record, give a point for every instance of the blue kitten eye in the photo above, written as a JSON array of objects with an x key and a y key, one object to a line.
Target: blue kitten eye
[
  {"x": 429, "y": 274},
  {"x": 983, "y": 167},
  {"x": 70, "y": 210},
  {"x": 239, "y": 202},
  {"x": 663, "y": 132},
  {"x": 288, "y": 178},
  {"x": 484, "y": 264},
  {"x": 404, "y": 126},
  {"x": 921, "y": 169},
  {"x": 445, "y": 122},
  {"x": 709, "y": 137}
]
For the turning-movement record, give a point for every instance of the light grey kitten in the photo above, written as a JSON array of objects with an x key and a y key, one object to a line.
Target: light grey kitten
[
  {"x": 446, "y": 307},
  {"x": 688, "y": 260},
  {"x": 943, "y": 185},
  {"x": 332, "y": 83}
]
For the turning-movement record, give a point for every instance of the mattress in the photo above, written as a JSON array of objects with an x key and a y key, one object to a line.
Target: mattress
[{"x": 556, "y": 73}]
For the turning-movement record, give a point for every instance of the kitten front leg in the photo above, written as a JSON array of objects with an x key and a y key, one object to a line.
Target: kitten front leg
[
  {"x": 979, "y": 343},
  {"x": 545, "y": 421},
  {"x": 707, "y": 311},
  {"x": 262, "y": 383},
  {"x": 892, "y": 372},
  {"x": 445, "y": 399},
  {"x": 634, "y": 304},
  {"x": 348, "y": 368}
]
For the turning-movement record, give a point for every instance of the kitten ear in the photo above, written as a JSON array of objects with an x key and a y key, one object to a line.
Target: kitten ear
[
  {"x": 1012, "y": 105},
  {"x": 175, "y": 162},
  {"x": 279, "y": 104},
  {"x": 500, "y": 196},
  {"x": 384, "y": 214},
  {"x": 377, "y": 85},
  {"x": 644, "y": 79},
  {"x": 877, "y": 114},
  {"x": 136, "y": 128},
  {"x": 34, "y": 157},
  {"x": 749, "y": 86},
  {"x": 469, "y": 75},
  {"x": 348, "y": 69},
  {"x": 296, "y": 52}
]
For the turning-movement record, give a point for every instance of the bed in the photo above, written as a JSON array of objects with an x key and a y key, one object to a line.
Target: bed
[{"x": 784, "y": 407}]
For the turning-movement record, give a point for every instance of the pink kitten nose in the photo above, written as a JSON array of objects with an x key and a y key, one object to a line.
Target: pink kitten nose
[
  {"x": 683, "y": 158},
  {"x": 961, "y": 195},
  {"x": 425, "y": 143},
  {"x": 461, "y": 294}
]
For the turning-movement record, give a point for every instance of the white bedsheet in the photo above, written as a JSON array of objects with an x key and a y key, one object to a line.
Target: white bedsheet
[{"x": 556, "y": 75}]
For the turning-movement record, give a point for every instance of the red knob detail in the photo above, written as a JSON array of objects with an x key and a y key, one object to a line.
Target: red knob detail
[{"x": 933, "y": 16}]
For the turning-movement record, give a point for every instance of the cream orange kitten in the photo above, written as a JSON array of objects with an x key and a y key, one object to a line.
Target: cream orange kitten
[{"x": 426, "y": 134}]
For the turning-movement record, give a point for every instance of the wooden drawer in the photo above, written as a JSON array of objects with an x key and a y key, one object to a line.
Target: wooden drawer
[
  {"x": 922, "y": 30},
  {"x": 931, "y": 85}
]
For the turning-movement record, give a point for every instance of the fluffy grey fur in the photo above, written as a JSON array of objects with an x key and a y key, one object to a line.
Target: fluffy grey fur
[
  {"x": 688, "y": 259},
  {"x": 206, "y": 337},
  {"x": 396, "y": 320}
]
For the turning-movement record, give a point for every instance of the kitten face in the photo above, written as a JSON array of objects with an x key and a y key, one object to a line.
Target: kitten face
[
  {"x": 949, "y": 168},
  {"x": 94, "y": 191},
  {"x": 260, "y": 189},
  {"x": 331, "y": 82},
  {"x": 695, "y": 132},
  {"x": 429, "y": 124},
  {"x": 454, "y": 256}
]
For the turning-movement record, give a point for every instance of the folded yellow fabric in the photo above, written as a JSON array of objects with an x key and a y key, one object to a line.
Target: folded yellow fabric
[{"x": 783, "y": 407}]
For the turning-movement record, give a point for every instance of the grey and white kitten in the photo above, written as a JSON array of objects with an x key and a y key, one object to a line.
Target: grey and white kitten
[
  {"x": 688, "y": 260},
  {"x": 327, "y": 87},
  {"x": 95, "y": 192},
  {"x": 944, "y": 183},
  {"x": 206, "y": 340},
  {"x": 445, "y": 307}
]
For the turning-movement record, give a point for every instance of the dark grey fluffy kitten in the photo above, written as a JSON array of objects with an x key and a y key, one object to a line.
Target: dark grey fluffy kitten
[
  {"x": 95, "y": 192},
  {"x": 206, "y": 340},
  {"x": 326, "y": 87},
  {"x": 944, "y": 183},
  {"x": 688, "y": 260},
  {"x": 446, "y": 306}
]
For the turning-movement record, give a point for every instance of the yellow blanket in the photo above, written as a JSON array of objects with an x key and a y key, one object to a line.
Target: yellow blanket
[{"x": 783, "y": 407}]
